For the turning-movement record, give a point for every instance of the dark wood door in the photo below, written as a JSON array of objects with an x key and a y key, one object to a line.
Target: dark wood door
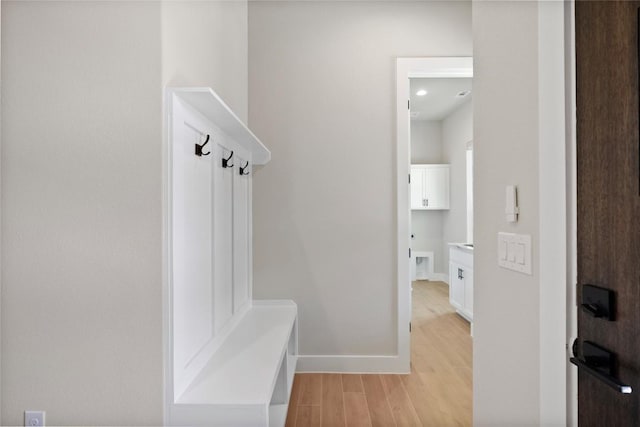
[{"x": 609, "y": 204}]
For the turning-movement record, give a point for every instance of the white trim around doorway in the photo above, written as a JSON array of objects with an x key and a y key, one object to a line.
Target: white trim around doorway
[{"x": 406, "y": 68}]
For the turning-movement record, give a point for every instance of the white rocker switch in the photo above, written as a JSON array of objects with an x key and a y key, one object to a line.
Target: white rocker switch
[
  {"x": 511, "y": 251},
  {"x": 514, "y": 252},
  {"x": 520, "y": 251},
  {"x": 502, "y": 249}
]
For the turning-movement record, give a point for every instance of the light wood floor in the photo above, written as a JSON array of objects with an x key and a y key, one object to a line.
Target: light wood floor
[{"x": 437, "y": 392}]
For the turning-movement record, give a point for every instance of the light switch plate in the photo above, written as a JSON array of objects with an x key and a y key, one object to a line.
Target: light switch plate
[{"x": 518, "y": 252}]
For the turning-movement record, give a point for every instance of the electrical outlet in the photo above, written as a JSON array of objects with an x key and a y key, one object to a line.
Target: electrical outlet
[{"x": 34, "y": 418}]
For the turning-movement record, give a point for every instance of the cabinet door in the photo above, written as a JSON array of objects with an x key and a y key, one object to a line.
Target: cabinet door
[
  {"x": 468, "y": 292},
  {"x": 456, "y": 286},
  {"x": 436, "y": 187},
  {"x": 417, "y": 187}
]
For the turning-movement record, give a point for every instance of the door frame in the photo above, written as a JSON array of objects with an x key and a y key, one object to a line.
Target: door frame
[
  {"x": 558, "y": 210},
  {"x": 407, "y": 68},
  {"x": 572, "y": 205}
]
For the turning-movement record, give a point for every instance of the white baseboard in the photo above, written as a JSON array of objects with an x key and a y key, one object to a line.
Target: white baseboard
[
  {"x": 351, "y": 364},
  {"x": 442, "y": 277}
]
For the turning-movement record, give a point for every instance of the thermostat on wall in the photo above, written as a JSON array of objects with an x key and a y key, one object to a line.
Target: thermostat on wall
[{"x": 511, "y": 209}]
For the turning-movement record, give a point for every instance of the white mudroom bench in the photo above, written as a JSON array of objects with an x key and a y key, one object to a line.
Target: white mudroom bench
[{"x": 229, "y": 359}]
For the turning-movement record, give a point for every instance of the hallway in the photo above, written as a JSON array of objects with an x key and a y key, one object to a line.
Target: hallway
[{"x": 437, "y": 393}]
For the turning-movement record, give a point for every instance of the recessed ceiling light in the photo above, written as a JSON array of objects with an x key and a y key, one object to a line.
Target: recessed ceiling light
[
  {"x": 421, "y": 92},
  {"x": 463, "y": 93}
]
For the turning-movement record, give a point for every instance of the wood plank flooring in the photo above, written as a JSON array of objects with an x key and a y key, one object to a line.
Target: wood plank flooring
[{"x": 437, "y": 393}]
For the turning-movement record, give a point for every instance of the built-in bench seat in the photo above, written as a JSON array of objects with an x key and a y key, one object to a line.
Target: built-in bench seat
[{"x": 247, "y": 381}]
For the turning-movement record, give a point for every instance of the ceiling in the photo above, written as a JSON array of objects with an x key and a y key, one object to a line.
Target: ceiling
[{"x": 441, "y": 98}]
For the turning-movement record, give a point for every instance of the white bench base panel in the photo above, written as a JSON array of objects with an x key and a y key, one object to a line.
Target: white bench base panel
[{"x": 248, "y": 380}]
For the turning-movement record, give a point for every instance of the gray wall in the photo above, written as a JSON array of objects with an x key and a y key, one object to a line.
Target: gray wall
[
  {"x": 81, "y": 196},
  {"x": 507, "y": 304},
  {"x": 322, "y": 97},
  {"x": 426, "y": 226},
  {"x": 457, "y": 131}
]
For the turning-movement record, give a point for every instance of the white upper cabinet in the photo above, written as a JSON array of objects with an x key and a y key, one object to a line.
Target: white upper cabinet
[
  {"x": 417, "y": 187},
  {"x": 429, "y": 187}
]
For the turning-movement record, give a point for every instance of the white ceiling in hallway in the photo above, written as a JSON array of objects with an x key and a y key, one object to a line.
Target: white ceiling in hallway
[{"x": 441, "y": 98}]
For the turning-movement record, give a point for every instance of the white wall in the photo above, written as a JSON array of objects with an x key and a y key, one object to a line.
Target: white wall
[
  {"x": 426, "y": 226},
  {"x": 507, "y": 304},
  {"x": 519, "y": 48},
  {"x": 0, "y": 216},
  {"x": 457, "y": 132},
  {"x": 556, "y": 120},
  {"x": 322, "y": 97},
  {"x": 205, "y": 43},
  {"x": 81, "y": 240},
  {"x": 81, "y": 196},
  {"x": 426, "y": 141}
]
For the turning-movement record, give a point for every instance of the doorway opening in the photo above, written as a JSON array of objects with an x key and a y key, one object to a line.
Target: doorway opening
[{"x": 435, "y": 148}]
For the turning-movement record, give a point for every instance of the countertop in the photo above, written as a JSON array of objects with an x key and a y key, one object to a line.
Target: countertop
[{"x": 463, "y": 246}]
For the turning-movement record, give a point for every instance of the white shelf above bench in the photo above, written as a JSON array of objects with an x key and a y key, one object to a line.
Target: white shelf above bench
[{"x": 211, "y": 106}]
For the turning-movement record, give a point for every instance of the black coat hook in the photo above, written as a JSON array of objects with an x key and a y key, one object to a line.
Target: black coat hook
[
  {"x": 243, "y": 168},
  {"x": 225, "y": 162},
  {"x": 199, "y": 147}
]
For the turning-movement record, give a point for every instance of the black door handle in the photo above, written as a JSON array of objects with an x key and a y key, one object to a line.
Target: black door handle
[
  {"x": 612, "y": 382},
  {"x": 599, "y": 362}
]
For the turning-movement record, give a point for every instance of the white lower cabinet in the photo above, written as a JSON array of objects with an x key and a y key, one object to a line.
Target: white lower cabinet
[
  {"x": 456, "y": 285},
  {"x": 461, "y": 280}
]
